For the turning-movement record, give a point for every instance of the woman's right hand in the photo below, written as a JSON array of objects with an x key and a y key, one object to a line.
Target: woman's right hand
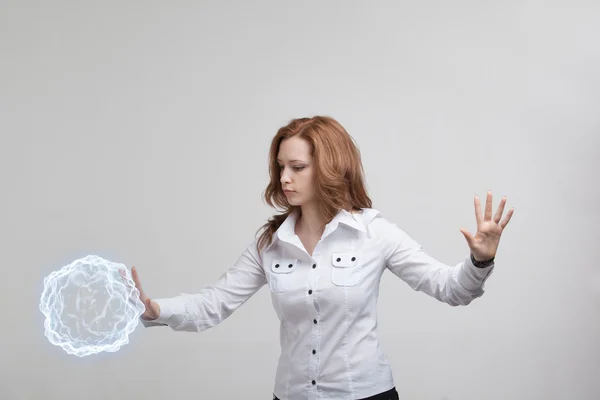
[{"x": 152, "y": 308}]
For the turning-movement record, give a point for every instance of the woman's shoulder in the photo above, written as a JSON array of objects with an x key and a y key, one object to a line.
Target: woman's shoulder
[
  {"x": 369, "y": 216},
  {"x": 378, "y": 223}
]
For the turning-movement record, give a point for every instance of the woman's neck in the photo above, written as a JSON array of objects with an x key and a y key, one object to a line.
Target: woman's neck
[{"x": 311, "y": 221}]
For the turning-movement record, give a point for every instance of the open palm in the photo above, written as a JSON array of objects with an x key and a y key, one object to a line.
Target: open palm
[
  {"x": 484, "y": 244},
  {"x": 152, "y": 310}
]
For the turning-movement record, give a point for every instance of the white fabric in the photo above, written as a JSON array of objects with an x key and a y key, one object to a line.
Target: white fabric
[{"x": 337, "y": 319}]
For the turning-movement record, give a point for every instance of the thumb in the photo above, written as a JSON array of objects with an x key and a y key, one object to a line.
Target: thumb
[
  {"x": 150, "y": 308},
  {"x": 468, "y": 237}
]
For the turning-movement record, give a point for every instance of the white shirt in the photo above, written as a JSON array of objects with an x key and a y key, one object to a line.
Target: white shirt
[{"x": 327, "y": 302}]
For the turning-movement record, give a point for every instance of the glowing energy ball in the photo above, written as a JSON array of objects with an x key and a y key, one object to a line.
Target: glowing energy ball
[{"x": 91, "y": 305}]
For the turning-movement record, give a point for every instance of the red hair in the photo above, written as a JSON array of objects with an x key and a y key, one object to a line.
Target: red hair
[{"x": 338, "y": 178}]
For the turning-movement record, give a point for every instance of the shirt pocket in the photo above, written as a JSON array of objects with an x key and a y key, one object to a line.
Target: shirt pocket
[
  {"x": 282, "y": 274},
  {"x": 347, "y": 267}
]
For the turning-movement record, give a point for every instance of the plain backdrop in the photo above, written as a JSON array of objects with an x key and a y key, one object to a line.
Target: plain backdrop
[{"x": 139, "y": 131}]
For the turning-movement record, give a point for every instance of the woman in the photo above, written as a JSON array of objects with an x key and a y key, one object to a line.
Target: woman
[{"x": 322, "y": 259}]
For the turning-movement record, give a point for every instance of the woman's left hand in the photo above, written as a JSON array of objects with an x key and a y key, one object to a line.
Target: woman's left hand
[{"x": 485, "y": 242}]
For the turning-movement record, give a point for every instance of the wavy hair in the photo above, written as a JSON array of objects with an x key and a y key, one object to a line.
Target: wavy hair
[{"x": 338, "y": 177}]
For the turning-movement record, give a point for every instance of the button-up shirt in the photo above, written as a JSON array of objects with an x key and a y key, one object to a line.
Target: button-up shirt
[{"x": 326, "y": 302}]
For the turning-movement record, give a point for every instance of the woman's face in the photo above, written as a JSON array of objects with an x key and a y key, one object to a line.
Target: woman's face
[{"x": 296, "y": 171}]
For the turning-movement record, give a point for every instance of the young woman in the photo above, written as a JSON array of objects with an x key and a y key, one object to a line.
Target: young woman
[{"x": 322, "y": 259}]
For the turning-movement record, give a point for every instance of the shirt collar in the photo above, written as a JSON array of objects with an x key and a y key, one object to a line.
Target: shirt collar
[{"x": 286, "y": 230}]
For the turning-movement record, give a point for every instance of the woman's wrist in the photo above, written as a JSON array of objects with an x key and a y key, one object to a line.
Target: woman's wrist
[{"x": 482, "y": 264}]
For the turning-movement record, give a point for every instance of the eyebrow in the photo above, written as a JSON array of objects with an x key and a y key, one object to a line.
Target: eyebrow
[{"x": 278, "y": 160}]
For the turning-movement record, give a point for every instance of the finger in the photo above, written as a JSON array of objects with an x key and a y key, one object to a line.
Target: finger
[
  {"x": 506, "y": 220},
  {"x": 138, "y": 284},
  {"x": 136, "y": 278},
  {"x": 488, "y": 206},
  {"x": 477, "y": 210},
  {"x": 500, "y": 210},
  {"x": 126, "y": 279}
]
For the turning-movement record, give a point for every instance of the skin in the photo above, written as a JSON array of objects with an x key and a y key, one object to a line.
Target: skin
[
  {"x": 296, "y": 175},
  {"x": 152, "y": 307},
  {"x": 484, "y": 244}
]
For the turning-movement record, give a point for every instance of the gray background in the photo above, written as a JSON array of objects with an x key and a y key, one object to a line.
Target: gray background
[{"x": 139, "y": 131}]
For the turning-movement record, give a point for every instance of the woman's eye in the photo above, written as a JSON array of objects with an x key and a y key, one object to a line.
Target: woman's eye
[{"x": 296, "y": 168}]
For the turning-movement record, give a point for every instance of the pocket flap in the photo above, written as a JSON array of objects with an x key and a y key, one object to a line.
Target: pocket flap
[
  {"x": 344, "y": 260},
  {"x": 284, "y": 266}
]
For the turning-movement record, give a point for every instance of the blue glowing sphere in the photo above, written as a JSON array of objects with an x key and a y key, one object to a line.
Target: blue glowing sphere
[{"x": 91, "y": 305}]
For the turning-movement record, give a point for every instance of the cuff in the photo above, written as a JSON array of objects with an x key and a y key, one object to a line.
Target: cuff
[
  {"x": 170, "y": 310},
  {"x": 472, "y": 278}
]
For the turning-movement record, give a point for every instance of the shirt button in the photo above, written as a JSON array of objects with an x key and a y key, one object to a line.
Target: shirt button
[
  {"x": 310, "y": 292},
  {"x": 315, "y": 321},
  {"x": 314, "y": 352},
  {"x": 314, "y": 383},
  {"x": 314, "y": 266}
]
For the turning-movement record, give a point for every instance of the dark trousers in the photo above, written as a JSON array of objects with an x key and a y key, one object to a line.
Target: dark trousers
[{"x": 391, "y": 394}]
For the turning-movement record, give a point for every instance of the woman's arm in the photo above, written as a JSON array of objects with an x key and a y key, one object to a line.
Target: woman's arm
[
  {"x": 459, "y": 284},
  {"x": 215, "y": 302},
  {"x": 452, "y": 284}
]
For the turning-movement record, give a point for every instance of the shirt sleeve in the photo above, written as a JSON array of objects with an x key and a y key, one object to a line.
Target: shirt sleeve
[
  {"x": 215, "y": 302},
  {"x": 455, "y": 285}
]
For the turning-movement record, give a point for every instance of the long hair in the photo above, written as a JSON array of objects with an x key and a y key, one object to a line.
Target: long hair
[{"x": 338, "y": 177}]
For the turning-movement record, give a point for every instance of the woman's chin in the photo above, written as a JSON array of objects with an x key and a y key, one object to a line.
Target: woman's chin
[{"x": 294, "y": 201}]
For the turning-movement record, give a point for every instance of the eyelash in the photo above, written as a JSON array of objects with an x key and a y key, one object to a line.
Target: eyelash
[{"x": 294, "y": 168}]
